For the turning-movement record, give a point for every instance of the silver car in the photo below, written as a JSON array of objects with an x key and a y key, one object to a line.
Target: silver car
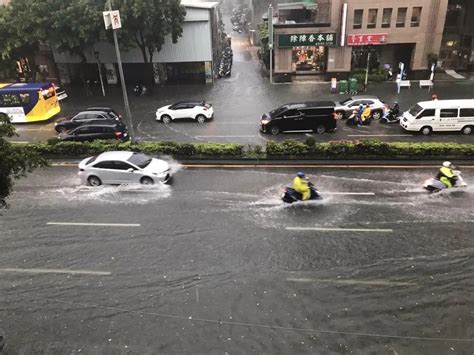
[
  {"x": 344, "y": 108},
  {"x": 123, "y": 167}
]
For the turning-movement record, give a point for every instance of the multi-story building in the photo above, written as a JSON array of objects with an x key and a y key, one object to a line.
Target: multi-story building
[
  {"x": 457, "y": 47},
  {"x": 333, "y": 37}
]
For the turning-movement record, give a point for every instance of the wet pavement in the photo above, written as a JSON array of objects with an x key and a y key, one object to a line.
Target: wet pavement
[
  {"x": 214, "y": 263},
  {"x": 240, "y": 100}
]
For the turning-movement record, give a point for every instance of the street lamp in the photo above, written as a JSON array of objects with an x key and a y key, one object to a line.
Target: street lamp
[
  {"x": 112, "y": 20},
  {"x": 96, "y": 55}
]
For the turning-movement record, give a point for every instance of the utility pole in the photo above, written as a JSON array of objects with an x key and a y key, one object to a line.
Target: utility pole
[
  {"x": 270, "y": 40},
  {"x": 99, "y": 65},
  {"x": 367, "y": 72},
  {"x": 122, "y": 79}
]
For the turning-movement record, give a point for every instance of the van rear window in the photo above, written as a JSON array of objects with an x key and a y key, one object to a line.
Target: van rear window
[{"x": 467, "y": 112}]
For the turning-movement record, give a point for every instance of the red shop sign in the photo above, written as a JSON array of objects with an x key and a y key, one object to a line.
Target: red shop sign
[{"x": 363, "y": 40}]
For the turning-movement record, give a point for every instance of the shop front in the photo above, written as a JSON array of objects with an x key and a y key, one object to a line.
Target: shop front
[{"x": 304, "y": 53}]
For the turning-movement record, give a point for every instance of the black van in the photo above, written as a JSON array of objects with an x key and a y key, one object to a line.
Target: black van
[{"x": 318, "y": 116}]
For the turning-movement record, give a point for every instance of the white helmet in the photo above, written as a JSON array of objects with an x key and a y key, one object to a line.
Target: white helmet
[{"x": 447, "y": 164}]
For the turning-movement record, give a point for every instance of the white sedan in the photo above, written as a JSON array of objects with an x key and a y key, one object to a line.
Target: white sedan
[
  {"x": 123, "y": 167},
  {"x": 196, "y": 110},
  {"x": 344, "y": 108}
]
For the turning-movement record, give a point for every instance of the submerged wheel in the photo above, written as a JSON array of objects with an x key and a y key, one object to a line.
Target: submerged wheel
[
  {"x": 320, "y": 129},
  {"x": 147, "y": 181},
  {"x": 166, "y": 118},
  {"x": 426, "y": 130},
  {"x": 201, "y": 118},
  {"x": 467, "y": 130},
  {"x": 94, "y": 181},
  {"x": 340, "y": 115},
  {"x": 376, "y": 115},
  {"x": 275, "y": 130}
]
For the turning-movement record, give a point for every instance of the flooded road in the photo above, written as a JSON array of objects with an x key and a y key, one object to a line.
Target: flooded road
[{"x": 214, "y": 263}]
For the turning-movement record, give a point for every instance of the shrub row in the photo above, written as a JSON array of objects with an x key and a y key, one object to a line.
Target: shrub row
[
  {"x": 274, "y": 150},
  {"x": 368, "y": 149}
]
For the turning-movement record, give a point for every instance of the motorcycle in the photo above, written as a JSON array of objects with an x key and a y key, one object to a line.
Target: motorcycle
[
  {"x": 391, "y": 117},
  {"x": 435, "y": 185},
  {"x": 354, "y": 119},
  {"x": 140, "y": 90},
  {"x": 290, "y": 195},
  {"x": 225, "y": 69}
]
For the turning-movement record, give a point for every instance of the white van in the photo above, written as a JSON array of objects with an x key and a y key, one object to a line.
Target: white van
[{"x": 440, "y": 116}]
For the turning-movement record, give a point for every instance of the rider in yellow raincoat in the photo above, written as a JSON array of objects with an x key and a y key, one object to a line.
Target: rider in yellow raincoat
[
  {"x": 300, "y": 184},
  {"x": 366, "y": 113},
  {"x": 446, "y": 174}
]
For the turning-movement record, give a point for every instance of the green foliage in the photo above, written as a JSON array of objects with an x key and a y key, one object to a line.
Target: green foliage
[
  {"x": 15, "y": 161},
  {"x": 375, "y": 75},
  {"x": 147, "y": 23}
]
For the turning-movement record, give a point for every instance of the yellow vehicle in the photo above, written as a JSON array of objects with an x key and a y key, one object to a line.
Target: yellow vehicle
[{"x": 28, "y": 102}]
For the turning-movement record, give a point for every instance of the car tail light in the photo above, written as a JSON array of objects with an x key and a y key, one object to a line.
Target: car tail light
[
  {"x": 118, "y": 134},
  {"x": 334, "y": 115}
]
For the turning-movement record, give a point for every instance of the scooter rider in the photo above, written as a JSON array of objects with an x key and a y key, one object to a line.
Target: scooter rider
[
  {"x": 446, "y": 174},
  {"x": 301, "y": 185}
]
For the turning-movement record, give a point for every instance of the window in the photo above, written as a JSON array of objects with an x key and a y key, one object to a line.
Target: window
[
  {"x": 427, "y": 113},
  {"x": 449, "y": 112},
  {"x": 415, "y": 17},
  {"x": 291, "y": 113},
  {"x": 120, "y": 165},
  {"x": 386, "y": 18},
  {"x": 79, "y": 117},
  {"x": 10, "y": 100},
  {"x": 467, "y": 112},
  {"x": 372, "y": 18},
  {"x": 401, "y": 16},
  {"x": 105, "y": 165},
  {"x": 140, "y": 160},
  {"x": 358, "y": 14}
]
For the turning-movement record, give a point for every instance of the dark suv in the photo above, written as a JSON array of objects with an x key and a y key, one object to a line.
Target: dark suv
[
  {"x": 85, "y": 117},
  {"x": 317, "y": 116},
  {"x": 94, "y": 131}
]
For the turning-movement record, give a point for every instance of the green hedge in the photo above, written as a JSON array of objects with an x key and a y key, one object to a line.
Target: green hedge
[
  {"x": 274, "y": 150},
  {"x": 368, "y": 149}
]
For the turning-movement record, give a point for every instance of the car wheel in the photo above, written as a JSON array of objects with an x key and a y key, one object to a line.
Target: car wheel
[
  {"x": 166, "y": 119},
  {"x": 201, "y": 118},
  {"x": 340, "y": 115},
  {"x": 147, "y": 181},
  {"x": 94, "y": 181},
  {"x": 467, "y": 130},
  {"x": 377, "y": 115},
  {"x": 320, "y": 129},
  {"x": 426, "y": 130},
  {"x": 275, "y": 130}
]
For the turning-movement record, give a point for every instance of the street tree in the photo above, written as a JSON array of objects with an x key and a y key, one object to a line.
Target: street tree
[
  {"x": 15, "y": 161},
  {"x": 147, "y": 23}
]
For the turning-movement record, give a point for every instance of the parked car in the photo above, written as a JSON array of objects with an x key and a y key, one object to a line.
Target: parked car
[
  {"x": 109, "y": 110},
  {"x": 84, "y": 117},
  {"x": 344, "y": 108},
  {"x": 123, "y": 167},
  {"x": 440, "y": 116},
  {"x": 318, "y": 116},
  {"x": 196, "y": 110},
  {"x": 96, "y": 130}
]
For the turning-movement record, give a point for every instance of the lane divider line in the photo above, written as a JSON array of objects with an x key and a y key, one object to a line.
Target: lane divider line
[
  {"x": 321, "y": 229},
  {"x": 355, "y": 282},
  {"x": 351, "y": 193},
  {"x": 93, "y": 224},
  {"x": 56, "y": 271}
]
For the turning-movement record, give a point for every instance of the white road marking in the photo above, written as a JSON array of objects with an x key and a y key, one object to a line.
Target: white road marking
[
  {"x": 351, "y": 193},
  {"x": 321, "y": 229},
  {"x": 225, "y": 136},
  {"x": 57, "y": 271},
  {"x": 378, "y": 135},
  {"x": 355, "y": 282},
  {"x": 94, "y": 224}
]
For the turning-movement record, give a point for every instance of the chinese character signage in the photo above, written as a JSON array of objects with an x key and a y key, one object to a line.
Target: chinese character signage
[
  {"x": 364, "y": 40},
  {"x": 311, "y": 39}
]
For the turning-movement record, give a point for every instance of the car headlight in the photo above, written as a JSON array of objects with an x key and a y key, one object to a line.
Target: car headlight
[{"x": 264, "y": 122}]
